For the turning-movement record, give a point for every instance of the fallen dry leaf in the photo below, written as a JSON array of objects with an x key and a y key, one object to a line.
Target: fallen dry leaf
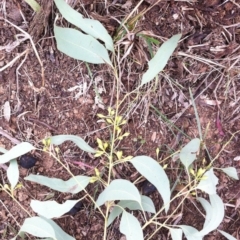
[
  {"x": 237, "y": 158},
  {"x": 153, "y": 138},
  {"x": 7, "y": 111}
]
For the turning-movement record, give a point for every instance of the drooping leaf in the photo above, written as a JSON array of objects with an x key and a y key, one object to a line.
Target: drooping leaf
[
  {"x": 176, "y": 233},
  {"x": 214, "y": 214},
  {"x": 208, "y": 209},
  {"x": 227, "y": 235},
  {"x": 114, "y": 214},
  {"x": 119, "y": 189},
  {"x": 3, "y": 150},
  {"x": 146, "y": 204},
  {"x": 155, "y": 174},
  {"x": 42, "y": 227},
  {"x": 59, "y": 139},
  {"x": 73, "y": 185},
  {"x": 16, "y": 152},
  {"x": 13, "y": 173},
  {"x": 231, "y": 172},
  {"x": 130, "y": 227},
  {"x": 190, "y": 232},
  {"x": 188, "y": 153},
  {"x": 159, "y": 61},
  {"x": 34, "y": 5},
  {"x": 52, "y": 209},
  {"x": 89, "y": 26},
  {"x": 80, "y": 46},
  {"x": 208, "y": 182}
]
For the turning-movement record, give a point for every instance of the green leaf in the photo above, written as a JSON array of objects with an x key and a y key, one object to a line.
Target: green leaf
[
  {"x": 176, "y": 234},
  {"x": 208, "y": 209},
  {"x": 16, "y": 151},
  {"x": 52, "y": 209},
  {"x": 188, "y": 153},
  {"x": 114, "y": 214},
  {"x": 41, "y": 227},
  {"x": 146, "y": 205},
  {"x": 73, "y": 185},
  {"x": 231, "y": 172},
  {"x": 3, "y": 150},
  {"x": 89, "y": 26},
  {"x": 34, "y": 5},
  {"x": 227, "y": 235},
  {"x": 190, "y": 232},
  {"x": 59, "y": 139},
  {"x": 80, "y": 46},
  {"x": 214, "y": 214},
  {"x": 119, "y": 189},
  {"x": 155, "y": 174},
  {"x": 130, "y": 227},
  {"x": 159, "y": 61},
  {"x": 208, "y": 182},
  {"x": 13, "y": 173}
]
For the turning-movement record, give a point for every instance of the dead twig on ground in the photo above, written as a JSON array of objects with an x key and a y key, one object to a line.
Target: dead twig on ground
[
  {"x": 34, "y": 49},
  {"x": 14, "y": 60},
  {"x": 12, "y": 139}
]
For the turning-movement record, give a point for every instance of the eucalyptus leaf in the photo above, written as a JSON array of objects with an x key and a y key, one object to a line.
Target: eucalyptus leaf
[
  {"x": 208, "y": 209},
  {"x": 16, "y": 151},
  {"x": 155, "y": 174},
  {"x": 13, "y": 173},
  {"x": 227, "y": 235},
  {"x": 73, "y": 185},
  {"x": 176, "y": 233},
  {"x": 59, "y": 139},
  {"x": 119, "y": 189},
  {"x": 116, "y": 211},
  {"x": 130, "y": 227},
  {"x": 188, "y": 153},
  {"x": 159, "y": 61},
  {"x": 214, "y": 214},
  {"x": 190, "y": 232},
  {"x": 52, "y": 209},
  {"x": 41, "y": 227},
  {"x": 231, "y": 172},
  {"x": 89, "y": 26},
  {"x": 80, "y": 46},
  {"x": 146, "y": 205},
  {"x": 3, "y": 150},
  {"x": 208, "y": 182}
]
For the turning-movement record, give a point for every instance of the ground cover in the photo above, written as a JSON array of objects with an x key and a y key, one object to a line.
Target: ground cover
[{"x": 160, "y": 118}]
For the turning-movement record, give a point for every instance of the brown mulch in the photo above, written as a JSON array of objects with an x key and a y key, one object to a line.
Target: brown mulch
[{"x": 204, "y": 61}]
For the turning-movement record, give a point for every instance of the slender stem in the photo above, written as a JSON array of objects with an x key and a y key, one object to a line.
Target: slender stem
[
  {"x": 12, "y": 196},
  {"x": 163, "y": 224},
  {"x": 105, "y": 221},
  {"x": 110, "y": 158},
  {"x": 70, "y": 173},
  {"x": 182, "y": 192}
]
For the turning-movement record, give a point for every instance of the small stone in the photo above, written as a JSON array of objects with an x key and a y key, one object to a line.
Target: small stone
[{"x": 27, "y": 161}]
